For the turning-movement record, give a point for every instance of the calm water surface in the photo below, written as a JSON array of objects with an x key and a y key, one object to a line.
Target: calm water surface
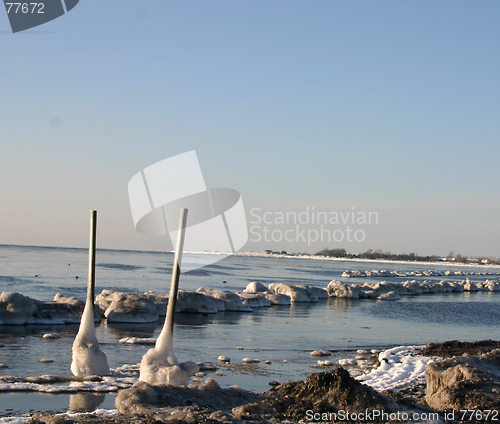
[{"x": 276, "y": 334}]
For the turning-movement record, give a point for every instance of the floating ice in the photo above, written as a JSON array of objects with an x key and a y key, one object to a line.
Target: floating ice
[
  {"x": 346, "y": 362},
  {"x": 250, "y": 361},
  {"x": 137, "y": 340},
  {"x": 224, "y": 358},
  {"x": 321, "y": 353},
  {"x": 206, "y": 366},
  {"x": 87, "y": 356},
  {"x": 325, "y": 363},
  {"x": 51, "y": 336}
]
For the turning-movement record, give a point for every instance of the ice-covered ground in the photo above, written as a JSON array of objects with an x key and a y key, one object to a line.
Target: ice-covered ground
[{"x": 399, "y": 367}]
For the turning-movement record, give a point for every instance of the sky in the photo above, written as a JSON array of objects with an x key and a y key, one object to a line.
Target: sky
[{"x": 339, "y": 107}]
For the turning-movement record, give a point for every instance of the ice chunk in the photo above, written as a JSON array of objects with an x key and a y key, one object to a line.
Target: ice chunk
[
  {"x": 224, "y": 358},
  {"x": 232, "y": 302},
  {"x": 392, "y": 295},
  {"x": 160, "y": 366},
  {"x": 193, "y": 302},
  {"x": 51, "y": 336},
  {"x": 127, "y": 308},
  {"x": 321, "y": 353},
  {"x": 255, "y": 287},
  {"x": 160, "y": 300},
  {"x": 296, "y": 294},
  {"x": 250, "y": 361},
  {"x": 278, "y": 298},
  {"x": 254, "y": 300},
  {"x": 137, "y": 340},
  {"x": 492, "y": 285},
  {"x": 15, "y": 309},
  {"x": 470, "y": 286},
  {"x": 337, "y": 289},
  {"x": 87, "y": 356}
]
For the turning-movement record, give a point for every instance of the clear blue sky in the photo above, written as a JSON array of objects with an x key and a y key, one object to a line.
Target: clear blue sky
[{"x": 386, "y": 106}]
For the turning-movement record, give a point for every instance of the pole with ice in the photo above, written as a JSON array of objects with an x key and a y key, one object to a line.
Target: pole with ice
[
  {"x": 159, "y": 365},
  {"x": 87, "y": 356}
]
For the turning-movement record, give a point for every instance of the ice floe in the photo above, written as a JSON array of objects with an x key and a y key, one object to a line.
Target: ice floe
[{"x": 321, "y": 353}]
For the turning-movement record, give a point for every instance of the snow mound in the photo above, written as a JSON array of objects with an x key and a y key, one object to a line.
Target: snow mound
[{"x": 398, "y": 368}]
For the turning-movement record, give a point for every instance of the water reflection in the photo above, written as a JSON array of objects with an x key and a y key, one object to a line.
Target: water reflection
[{"x": 85, "y": 402}]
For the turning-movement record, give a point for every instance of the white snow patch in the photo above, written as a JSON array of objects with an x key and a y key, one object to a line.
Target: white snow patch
[
  {"x": 14, "y": 420},
  {"x": 399, "y": 367}
]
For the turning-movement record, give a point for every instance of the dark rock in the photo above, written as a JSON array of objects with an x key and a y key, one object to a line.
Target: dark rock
[
  {"x": 327, "y": 392},
  {"x": 465, "y": 382}
]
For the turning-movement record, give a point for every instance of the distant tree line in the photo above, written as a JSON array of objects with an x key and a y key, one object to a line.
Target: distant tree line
[{"x": 379, "y": 254}]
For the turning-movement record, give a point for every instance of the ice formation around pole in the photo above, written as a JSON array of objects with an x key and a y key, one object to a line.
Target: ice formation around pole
[{"x": 88, "y": 359}]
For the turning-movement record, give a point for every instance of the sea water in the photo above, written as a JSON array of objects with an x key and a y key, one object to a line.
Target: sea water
[{"x": 283, "y": 335}]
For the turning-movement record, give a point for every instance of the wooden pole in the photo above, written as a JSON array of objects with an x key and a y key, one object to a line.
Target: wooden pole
[
  {"x": 176, "y": 272},
  {"x": 92, "y": 248}
]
